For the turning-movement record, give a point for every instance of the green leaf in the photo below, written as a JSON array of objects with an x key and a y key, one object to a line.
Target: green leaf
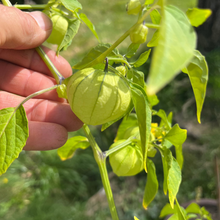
[
  {"x": 177, "y": 137},
  {"x": 72, "y": 30},
  {"x": 72, "y": 5},
  {"x": 68, "y": 149},
  {"x": 166, "y": 210},
  {"x": 173, "y": 181},
  {"x": 193, "y": 208},
  {"x": 89, "y": 25},
  {"x": 142, "y": 59},
  {"x": 167, "y": 158},
  {"x": 174, "y": 217},
  {"x": 198, "y": 16},
  {"x": 155, "y": 16},
  {"x": 148, "y": 2},
  {"x": 143, "y": 112},
  {"x": 151, "y": 187},
  {"x": 13, "y": 135},
  {"x": 132, "y": 49},
  {"x": 93, "y": 54},
  {"x": 197, "y": 71},
  {"x": 177, "y": 41},
  {"x": 154, "y": 40},
  {"x": 126, "y": 124},
  {"x": 184, "y": 5}
]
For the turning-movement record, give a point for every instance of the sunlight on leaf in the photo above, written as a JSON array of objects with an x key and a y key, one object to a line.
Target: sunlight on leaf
[
  {"x": 13, "y": 135},
  {"x": 71, "y": 5},
  {"x": 198, "y": 16},
  {"x": 177, "y": 41}
]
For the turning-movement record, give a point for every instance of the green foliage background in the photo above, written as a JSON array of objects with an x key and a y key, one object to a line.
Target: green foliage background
[{"x": 40, "y": 186}]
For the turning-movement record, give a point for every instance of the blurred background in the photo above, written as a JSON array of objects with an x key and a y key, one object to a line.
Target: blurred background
[{"x": 39, "y": 186}]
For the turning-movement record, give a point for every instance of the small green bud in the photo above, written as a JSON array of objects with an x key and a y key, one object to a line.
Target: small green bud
[
  {"x": 60, "y": 26},
  {"x": 127, "y": 161},
  {"x": 139, "y": 34},
  {"x": 133, "y": 7},
  {"x": 98, "y": 97},
  {"x": 121, "y": 69}
]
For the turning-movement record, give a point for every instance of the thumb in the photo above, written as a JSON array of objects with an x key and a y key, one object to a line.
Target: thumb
[{"x": 21, "y": 30}]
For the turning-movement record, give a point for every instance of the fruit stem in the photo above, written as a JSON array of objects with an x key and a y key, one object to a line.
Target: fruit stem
[
  {"x": 36, "y": 94},
  {"x": 33, "y": 7},
  {"x": 154, "y": 26},
  {"x": 100, "y": 158}
]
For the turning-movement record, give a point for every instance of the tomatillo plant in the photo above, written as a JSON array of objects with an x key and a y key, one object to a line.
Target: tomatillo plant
[{"x": 108, "y": 87}]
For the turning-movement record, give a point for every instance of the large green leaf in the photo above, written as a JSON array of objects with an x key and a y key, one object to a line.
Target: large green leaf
[
  {"x": 73, "y": 27},
  {"x": 193, "y": 208},
  {"x": 72, "y": 5},
  {"x": 89, "y": 25},
  {"x": 13, "y": 135},
  {"x": 173, "y": 181},
  {"x": 143, "y": 112},
  {"x": 197, "y": 71},
  {"x": 151, "y": 187},
  {"x": 177, "y": 137},
  {"x": 184, "y": 5},
  {"x": 198, "y": 16},
  {"x": 177, "y": 41},
  {"x": 68, "y": 149}
]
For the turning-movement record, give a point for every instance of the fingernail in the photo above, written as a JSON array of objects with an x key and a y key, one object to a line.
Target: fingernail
[{"x": 43, "y": 20}]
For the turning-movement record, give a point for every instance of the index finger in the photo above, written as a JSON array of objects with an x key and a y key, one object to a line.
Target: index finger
[{"x": 30, "y": 59}]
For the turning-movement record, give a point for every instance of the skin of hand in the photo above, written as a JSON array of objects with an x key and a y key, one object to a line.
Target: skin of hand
[{"x": 22, "y": 72}]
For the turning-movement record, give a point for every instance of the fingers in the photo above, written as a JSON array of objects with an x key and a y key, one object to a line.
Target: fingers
[
  {"x": 45, "y": 136},
  {"x": 20, "y": 30},
  {"x": 44, "y": 111},
  {"x": 31, "y": 60}
]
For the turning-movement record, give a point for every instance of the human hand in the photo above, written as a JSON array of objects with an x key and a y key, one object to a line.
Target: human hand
[{"x": 22, "y": 72}]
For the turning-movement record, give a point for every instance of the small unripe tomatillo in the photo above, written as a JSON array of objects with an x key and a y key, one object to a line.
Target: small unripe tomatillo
[
  {"x": 127, "y": 161},
  {"x": 139, "y": 34},
  {"x": 133, "y": 7},
  {"x": 60, "y": 26}
]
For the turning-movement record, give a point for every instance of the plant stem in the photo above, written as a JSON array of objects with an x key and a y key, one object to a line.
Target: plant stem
[
  {"x": 36, "y": 94},
  {"x": 100, "y": 58},
  {"x": 33, "y": 7},
  {"x": 100, "y": 158},
  {"x": 56, "y": 74},
  {"x": 6, "y": 3}
]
